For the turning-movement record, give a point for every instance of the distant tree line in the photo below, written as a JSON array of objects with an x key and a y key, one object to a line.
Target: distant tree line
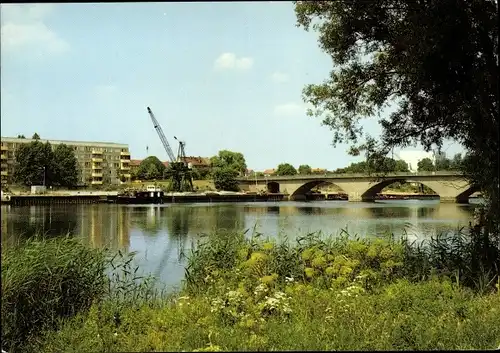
[
  {"x": 441, "y": 162},
  {"x": 228, "y": 165},
  {"x": 38, "y": 163},
  {"x": 224, "y": 168}
]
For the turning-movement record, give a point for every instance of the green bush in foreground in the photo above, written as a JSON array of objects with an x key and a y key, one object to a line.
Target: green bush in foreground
[
  {"x": 248, "y": 294},
  {"x": 46, "y": 280}
]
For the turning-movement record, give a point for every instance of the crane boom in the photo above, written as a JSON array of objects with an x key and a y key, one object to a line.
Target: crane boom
[{"x": 162, "y": 136}]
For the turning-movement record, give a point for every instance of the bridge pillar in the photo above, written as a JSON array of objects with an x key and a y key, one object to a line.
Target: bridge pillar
[
  {"x": 300, "y": 197},
  {"x": 451, "y": 199},
  {"x": 354, "y": 197}
]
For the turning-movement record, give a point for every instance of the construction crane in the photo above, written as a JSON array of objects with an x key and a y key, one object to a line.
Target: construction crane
[{"x": 178, "y": 171}]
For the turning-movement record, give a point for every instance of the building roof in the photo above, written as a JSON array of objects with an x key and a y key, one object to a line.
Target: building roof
[
  {"x": 269, "y": 171},
  {"x": 137, "y": 162},
  {"x": 66, "y": 142},
  {"x": 197, "y": 161}
]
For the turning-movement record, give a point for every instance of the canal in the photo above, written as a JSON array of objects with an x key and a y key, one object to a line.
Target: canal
[{"x": 161, "y": 233}]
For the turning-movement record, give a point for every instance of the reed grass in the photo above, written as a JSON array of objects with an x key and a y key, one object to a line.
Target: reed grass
[{"x": 45, "y": 280}]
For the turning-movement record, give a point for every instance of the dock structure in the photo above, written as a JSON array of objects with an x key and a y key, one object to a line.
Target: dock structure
[
  {"x": 95, "y": 197},
  {"x": 166, "y": 198}
]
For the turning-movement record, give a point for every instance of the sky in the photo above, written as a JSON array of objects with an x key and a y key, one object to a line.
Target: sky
[{"x": 216, "y": 75}]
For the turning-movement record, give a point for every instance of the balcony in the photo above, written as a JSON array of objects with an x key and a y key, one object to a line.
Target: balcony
[
  {"x": 128, "y": 176},
  {"x": 96, "y": 182},
  {"x": 96, "y": 160},
  {"x": 4, "y": 148},
  {"x": 3, "y": 157},
  {"x": 126, "y": 153},
  {"x": 96, "y": 151},
  {"x": 125, "y": 167},
  {"x": 96, "y": 174},
  {"x": 4, "y": 173}
]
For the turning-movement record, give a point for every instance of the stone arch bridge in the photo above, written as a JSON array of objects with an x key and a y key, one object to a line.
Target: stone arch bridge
[{"x": 449, "y": 185}]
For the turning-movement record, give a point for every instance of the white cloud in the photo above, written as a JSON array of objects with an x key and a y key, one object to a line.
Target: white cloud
[
  {"x": 279, "y": 77},
  {"x": 289, "y": 109},
  {"x": 229, "y": 61},
  {"x": 23, "y": 26}
]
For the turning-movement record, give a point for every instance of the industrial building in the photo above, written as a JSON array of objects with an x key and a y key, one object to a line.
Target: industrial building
[{"x": 99, "y": 163}]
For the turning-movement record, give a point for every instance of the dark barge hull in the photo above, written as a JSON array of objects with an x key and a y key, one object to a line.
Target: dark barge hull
[{"x": 147, "y": 199}]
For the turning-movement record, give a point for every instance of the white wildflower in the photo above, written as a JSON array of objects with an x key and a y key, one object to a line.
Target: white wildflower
[
  {"x": 261, "y": 288},
  {"x": 289, "y": 279},
  {"x": 217, "y": 305}
]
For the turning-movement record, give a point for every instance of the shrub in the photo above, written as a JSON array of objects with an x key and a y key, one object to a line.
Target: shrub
[
  {"x": 341, "y": 260},
  {"x": 44, "y": 280},
  {"x": 47, "y": 280}
]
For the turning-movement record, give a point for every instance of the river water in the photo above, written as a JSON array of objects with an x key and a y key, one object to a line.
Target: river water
[{"x": 160, "y": 233}]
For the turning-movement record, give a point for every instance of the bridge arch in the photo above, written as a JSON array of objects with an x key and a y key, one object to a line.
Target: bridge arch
[
  {"x": 372, "y": 192},
  {"x": 464, "y": 196},
  {"x": 302, "y": 190},
  {"x": 273, "y": 187}
]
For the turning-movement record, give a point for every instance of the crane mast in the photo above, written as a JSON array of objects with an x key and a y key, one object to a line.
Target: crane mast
[
  {"x": 162, "y": 136},
  {"x": 181, "y": 152},
  {"x": 178, "y": 171}
]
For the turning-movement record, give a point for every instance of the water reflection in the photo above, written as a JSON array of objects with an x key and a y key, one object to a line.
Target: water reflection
[
  {"x": 160, "y": 233},
  {"x": 104, "y": 226},
  {"x": 28, "y": 221}
]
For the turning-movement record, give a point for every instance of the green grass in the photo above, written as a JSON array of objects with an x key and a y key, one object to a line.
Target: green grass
[
  {"x": 245, "y": 293},
  {"x": 400, "y": 316}
]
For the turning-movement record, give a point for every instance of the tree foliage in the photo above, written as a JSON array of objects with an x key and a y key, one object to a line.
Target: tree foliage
[
  {"x": 435, "y": 61},
  {"x": 226, "y": 167},
  {"x": 65, "y": 165},
  {"x": 285, "y": 169},
  {"x": 225, "y": 179},
  {"x": 231, "y": 160},
  {"x": 375, "y": 165},
  {"x": 305, "y": 169},
  {"x": 425, "y": 165},
  {"x": 443, "y": 163},
  {"x": 37, "y": 164},
  {"x": 35, "y": 136},
  {"x": 150, "y": 168}
]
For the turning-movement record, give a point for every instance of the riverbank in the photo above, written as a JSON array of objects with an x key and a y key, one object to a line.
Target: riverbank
[
  {"x": 252, "y": 294},
  {"x": 89, "y": 197}
]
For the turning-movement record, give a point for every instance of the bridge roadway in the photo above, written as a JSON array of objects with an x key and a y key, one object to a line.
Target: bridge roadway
[{"x": 451, "y": 186}]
